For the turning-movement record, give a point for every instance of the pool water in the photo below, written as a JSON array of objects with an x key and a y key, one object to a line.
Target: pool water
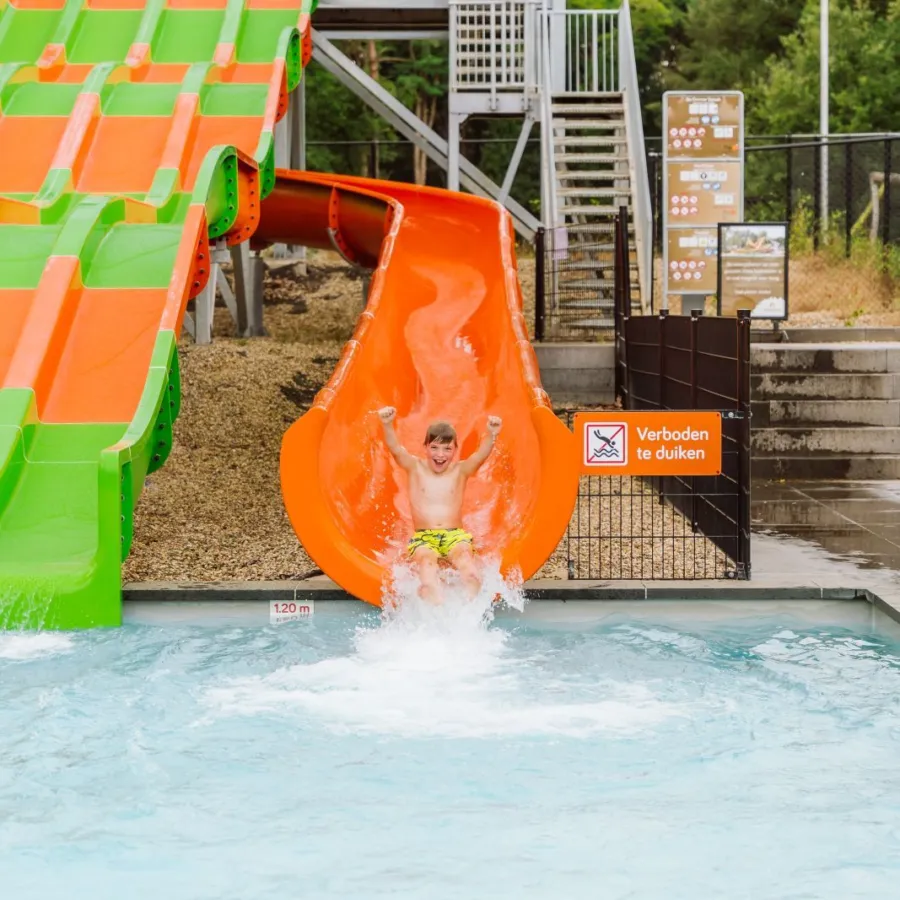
[{"x": 577, "y": 751}]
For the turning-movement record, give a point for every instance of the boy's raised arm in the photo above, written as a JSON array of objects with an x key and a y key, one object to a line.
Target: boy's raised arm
[
  {"x": 404, "y": 458},
  {"x": 470, "y": 465}
]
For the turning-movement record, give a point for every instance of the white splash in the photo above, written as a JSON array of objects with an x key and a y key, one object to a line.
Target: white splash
[
  {"x": 440, "y": 671},
  {"x": 14, "y": 645}
]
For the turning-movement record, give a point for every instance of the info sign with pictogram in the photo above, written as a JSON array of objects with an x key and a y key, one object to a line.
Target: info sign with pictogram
[{"x": 650, "y": 443}]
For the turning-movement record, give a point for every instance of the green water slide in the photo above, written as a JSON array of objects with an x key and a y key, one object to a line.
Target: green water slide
[{"x": 131, "y": 135}]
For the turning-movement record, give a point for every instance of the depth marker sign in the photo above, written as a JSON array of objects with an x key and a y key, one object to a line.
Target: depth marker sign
[{"x": 650, "y": 443}]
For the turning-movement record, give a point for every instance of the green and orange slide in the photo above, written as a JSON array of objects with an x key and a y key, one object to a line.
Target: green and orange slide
[{"x": 132, "y": 134}]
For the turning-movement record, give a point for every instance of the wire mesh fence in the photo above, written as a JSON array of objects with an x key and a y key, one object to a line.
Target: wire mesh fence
[
  {"x": 674, "y": 527},
  {"x": 630, "y": 528}
]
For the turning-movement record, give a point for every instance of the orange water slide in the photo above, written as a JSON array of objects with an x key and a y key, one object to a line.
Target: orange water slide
[{"x": 442, "y": 337}]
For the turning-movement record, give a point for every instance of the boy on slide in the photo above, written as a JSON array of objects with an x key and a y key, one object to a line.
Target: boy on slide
[{"x": 436, "y": 487}]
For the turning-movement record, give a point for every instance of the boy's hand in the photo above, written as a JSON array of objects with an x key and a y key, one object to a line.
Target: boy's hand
[
  {"x": 494, "y": 424},
  {"x": 386, "y": 414}
]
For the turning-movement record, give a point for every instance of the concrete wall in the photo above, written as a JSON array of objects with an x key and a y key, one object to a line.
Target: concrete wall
[{"x": 581, "y": 374}]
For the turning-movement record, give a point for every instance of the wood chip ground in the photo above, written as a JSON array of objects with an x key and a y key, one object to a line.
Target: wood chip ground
[{"x": 214, "y": 511}]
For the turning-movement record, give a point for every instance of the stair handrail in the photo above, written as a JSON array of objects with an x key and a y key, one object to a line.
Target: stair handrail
[
  {"x": 548, "y": 156},
  {"x": 637, "y": 155}
]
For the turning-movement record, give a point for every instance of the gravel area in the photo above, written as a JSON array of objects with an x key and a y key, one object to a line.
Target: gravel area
[{"x": 214, "y": 511}]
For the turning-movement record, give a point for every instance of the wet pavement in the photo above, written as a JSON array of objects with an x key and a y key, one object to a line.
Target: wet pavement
[{"x": 854, "y": 521}]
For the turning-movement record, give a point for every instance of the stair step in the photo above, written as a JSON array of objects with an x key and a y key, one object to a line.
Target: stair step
[
  {"x": 768, "y": 413},
  {"x": 588, "y": 124},
  {"x": 592, "y": 192},
  {"x": 823, "y": 358},
  {"x": 828, "y": 386},
  {"x": 593, "y": 324},
  {"x": 591, "y": 175},
  {"x": 594, "y": 284},
  {"x": 587, "y": 109},
  {"x": 589, "y": 305},
  {"x": 589, "y": 265},
  {"x": 833, "y": 467},
  {"x": 569, "y": 96},
  {"x": 605, "y": 210},
  {"x": 600, "y": 140},
  {"x": 806, "y": 441},
  {"x": 597, "y": 227},
  {"x": 610, "y": 158}
]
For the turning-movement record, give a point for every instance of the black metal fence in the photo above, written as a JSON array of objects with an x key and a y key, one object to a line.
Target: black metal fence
[
  {"x": 672, "y": 527},
  {"x": 845, "y": 238}
]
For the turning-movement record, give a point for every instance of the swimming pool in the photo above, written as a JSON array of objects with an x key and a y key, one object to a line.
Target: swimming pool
[{"x": 584, "y": 750}]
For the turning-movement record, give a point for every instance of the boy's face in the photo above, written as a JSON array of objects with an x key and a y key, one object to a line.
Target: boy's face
[{"x": 440, "y": 455}]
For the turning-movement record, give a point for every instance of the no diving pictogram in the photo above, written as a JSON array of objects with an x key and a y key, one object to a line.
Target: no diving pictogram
[{"x": 606, "y": 444}]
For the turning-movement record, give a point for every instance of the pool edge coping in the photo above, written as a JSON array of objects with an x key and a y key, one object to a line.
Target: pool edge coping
[{"x": 325, "y": 590}]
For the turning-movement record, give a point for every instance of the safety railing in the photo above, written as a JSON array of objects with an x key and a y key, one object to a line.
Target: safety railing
[
  {"x": 591, "y": 49},
  {"x": 492, "y": 45},
  {"x": 549, "y": 200},
  {"x": 642, "y": 211}
]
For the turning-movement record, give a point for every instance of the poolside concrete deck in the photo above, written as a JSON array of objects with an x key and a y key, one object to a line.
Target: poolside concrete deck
[{"x": 812, "y": 541}]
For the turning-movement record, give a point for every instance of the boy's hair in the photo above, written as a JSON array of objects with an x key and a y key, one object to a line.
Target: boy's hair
[{"x": 442, "y": 432}]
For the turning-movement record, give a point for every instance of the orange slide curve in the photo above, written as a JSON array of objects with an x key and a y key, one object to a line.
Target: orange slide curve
[{"x": 442, "y": 337}]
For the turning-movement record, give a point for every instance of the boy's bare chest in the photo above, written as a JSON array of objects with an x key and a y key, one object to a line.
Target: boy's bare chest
[{"x": 436, "y": 487}]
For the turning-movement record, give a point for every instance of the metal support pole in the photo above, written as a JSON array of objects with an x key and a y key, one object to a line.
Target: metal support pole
[
  {"x": 789, "y": 182},
  {"x": 823, "y": 113},
  {"x": 455, "y": 124},
  {"x": 744, "y": 447},
  {"x": 518, "y": 153},
  {"x": 298, "y": 146},
  {"x": 284, "y": 133},
  {"x": 248, "y": 281},
  {"x": 848, "y": 198},
  {"x": 540, "y": 284},
  {"x": 888, "y": 173},
  {"x": 204, "y": 308}
]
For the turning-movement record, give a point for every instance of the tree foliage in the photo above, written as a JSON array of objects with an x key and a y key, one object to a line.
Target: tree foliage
[{"x": 767, "y": 48}]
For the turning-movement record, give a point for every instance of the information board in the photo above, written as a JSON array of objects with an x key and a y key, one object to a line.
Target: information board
[{"x": 703, "y": 185}]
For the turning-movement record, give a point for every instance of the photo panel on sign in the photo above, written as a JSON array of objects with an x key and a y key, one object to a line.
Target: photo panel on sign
[{"x": 753, "y": 270}]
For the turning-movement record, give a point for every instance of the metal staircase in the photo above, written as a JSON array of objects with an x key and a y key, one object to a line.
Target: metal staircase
[{"x": 591, "y": 168}]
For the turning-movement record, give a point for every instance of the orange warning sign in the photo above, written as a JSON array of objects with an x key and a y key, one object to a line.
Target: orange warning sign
[{"x": 650, "y": 443}]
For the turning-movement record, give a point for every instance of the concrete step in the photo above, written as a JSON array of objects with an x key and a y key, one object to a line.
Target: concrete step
[
  {"x": 815, "y": 441},
  {"x": 841, "y": 335},
  {"x": 829, "y": 386},
  {"x": 832, "y": 467},
  {"x": 825, "y": 358},
  {"x": 826, "y": 412}
]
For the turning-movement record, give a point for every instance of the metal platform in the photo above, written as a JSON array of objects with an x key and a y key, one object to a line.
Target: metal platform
[{"x": 385, "y": 19}]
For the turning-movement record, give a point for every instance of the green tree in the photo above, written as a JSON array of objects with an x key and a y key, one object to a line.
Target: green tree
[
  {"x": 726, "y": 43},
  {"x": 864, "y": 72}
]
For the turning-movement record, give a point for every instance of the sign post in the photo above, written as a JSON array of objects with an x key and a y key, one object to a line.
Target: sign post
[
  {"x": 650, "y": 443},
  {"x": 703, "y": 185},
  {"x": 753, "y": 270}
]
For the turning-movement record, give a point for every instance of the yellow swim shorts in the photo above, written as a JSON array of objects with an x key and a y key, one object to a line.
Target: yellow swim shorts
[{"x": 441, "y": 540}]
